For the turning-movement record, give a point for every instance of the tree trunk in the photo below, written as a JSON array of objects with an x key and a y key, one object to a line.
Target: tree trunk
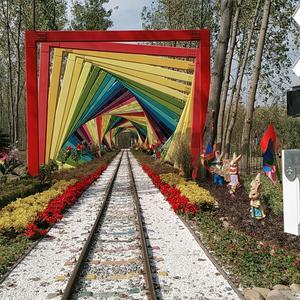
[
  {"x": 229, "y": 112},
  {"x": 1, "y": 106},
  {"x": 253, "y": 86},
  {"x": 201, "y": 16},
  {"x": 10, "y": 76},
  {"x": 18, "y": 84},
  {"x": 225, "y": 85},
  {"x": 217, "y": 72},
  {"x": 244, "y": 58}
]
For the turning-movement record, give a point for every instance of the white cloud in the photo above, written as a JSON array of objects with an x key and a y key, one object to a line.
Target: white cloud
[
  {"x": 297, "y": 15},
  {"x": 128, "y": 15},
  {"x": 296, "y": 68}
]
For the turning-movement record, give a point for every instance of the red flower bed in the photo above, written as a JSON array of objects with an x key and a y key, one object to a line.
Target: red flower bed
[
  {"x": 179, "y": 203},
  {"x": 56, "y": 208}
]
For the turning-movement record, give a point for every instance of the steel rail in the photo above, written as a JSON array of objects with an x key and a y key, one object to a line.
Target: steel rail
[
  {"x": 69, "y": 290},
  {"x": 146, "y": 261}
]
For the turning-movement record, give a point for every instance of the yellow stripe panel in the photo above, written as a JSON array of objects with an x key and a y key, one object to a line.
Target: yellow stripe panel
[
  {"x": 146, "y": 76},
  {"x": 139, "y": 120},
  {"x": 128, "y": 108},
  {"x": 70, "y": 95},
  {"x": 107, "y": 136},
  {"x": 74, "y": 102},
  {"x": 183, "y": 128},
  {"x": 143, "y": 68},
  {"x": 92, "y": 127},
  {"x": 52, "y": 98},
  {"x": 62, "y": 101},
  {"x": 105, "y": 121},
  {"x": 139, "y": 58}
]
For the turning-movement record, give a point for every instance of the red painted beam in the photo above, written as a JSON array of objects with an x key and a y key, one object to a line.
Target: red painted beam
[
  {"x": 117, "y": 36},
  {"x": 127, "y": 48},
  {"x": 99, "y": 128},
  {"x": 32, "y": 107},
  {"x": 43, "y": 99},
  {"x": 200, "y": 101},
  {"x": 132, "y": 114}
]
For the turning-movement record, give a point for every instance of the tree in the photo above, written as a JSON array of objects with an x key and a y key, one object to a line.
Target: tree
[
  {"x": 239, "y": 80},
  {"x": 217, "y": 71},
  {"x": 15, "y": 18},
  {"x": 90, "y": 15},
  {"x": 253, "y": 85},
  {"x": 225, "y": 84},
  {"x": 4, "y": 140},
  {"x": 182, "y": 14}
]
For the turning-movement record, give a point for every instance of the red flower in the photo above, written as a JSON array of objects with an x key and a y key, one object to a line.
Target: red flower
[
  {"x": 180, "y": 204},
  {"x": 296, "y": 263},
  {"x": 56, "y": 207}
]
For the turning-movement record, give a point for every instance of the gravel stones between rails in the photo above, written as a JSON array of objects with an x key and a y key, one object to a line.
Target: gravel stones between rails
[{"x": 114, "y": 268}]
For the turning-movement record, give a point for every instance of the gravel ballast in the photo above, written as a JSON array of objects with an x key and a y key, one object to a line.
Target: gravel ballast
[{"x": 184, "y": 270}]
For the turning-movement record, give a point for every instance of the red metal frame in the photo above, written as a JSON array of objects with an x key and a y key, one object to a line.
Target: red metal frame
[
  {"x": 99, "y": 126},
  {"x": 37, "y": 99},
  {"x": 43, "y": 99}
]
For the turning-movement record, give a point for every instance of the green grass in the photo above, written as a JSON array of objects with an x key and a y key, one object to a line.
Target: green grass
[
  {"x": 252, "y": 262},
  {"x": 11, "y": 248}
]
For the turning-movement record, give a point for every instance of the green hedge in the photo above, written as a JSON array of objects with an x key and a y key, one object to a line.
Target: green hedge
[{"x": 23, "y": 188}]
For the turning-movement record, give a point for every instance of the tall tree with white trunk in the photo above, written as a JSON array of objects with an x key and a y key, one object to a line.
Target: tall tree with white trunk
[
  {"x": 239, "y": 80},
  {"x": 253, "y": 85},
  {"x": 217, "y": 71},
  {"x": 225, "y": 85}
]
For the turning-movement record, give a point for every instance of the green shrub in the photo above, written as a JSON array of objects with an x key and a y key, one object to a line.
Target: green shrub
[
  {"x": 23, "y": 188},
  {"x": 171, "y": 178},
  {"x": 270, "y": 195},
  {"x": 183, "y": 156},
  {"x": 46, "y": 171},
  {"x": 11, "y": 248}
]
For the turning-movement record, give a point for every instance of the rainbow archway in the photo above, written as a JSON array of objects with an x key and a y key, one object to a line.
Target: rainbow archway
[{"x": 92, "y": 85}]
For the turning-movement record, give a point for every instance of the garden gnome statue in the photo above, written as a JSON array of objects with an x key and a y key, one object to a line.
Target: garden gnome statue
[
  {"x": 256, "y": 210},
  {"x": 234, "y": 183},
  {"x": 217, "y": 168}
]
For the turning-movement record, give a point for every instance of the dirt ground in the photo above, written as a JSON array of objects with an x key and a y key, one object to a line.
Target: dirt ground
[{"x": 236, "y": 211}]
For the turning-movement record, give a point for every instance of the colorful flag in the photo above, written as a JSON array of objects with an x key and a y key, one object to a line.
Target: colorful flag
[
  {"x": 268, "y": 146},
  {"x": 208, "y": 156}
]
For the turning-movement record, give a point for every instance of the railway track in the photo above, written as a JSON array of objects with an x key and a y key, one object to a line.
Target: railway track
[
  {"x": 116, "y": 261},
  {"x": 101, "y": 249}
]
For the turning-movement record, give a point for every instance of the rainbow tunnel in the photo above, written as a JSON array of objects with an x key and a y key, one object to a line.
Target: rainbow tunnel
[{"x": 91, "y": 91}]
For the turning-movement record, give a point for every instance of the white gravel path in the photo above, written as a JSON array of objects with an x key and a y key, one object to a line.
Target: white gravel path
[
  {"x": 184, "y": 270},
  {"x": 44, "y": 272}
]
